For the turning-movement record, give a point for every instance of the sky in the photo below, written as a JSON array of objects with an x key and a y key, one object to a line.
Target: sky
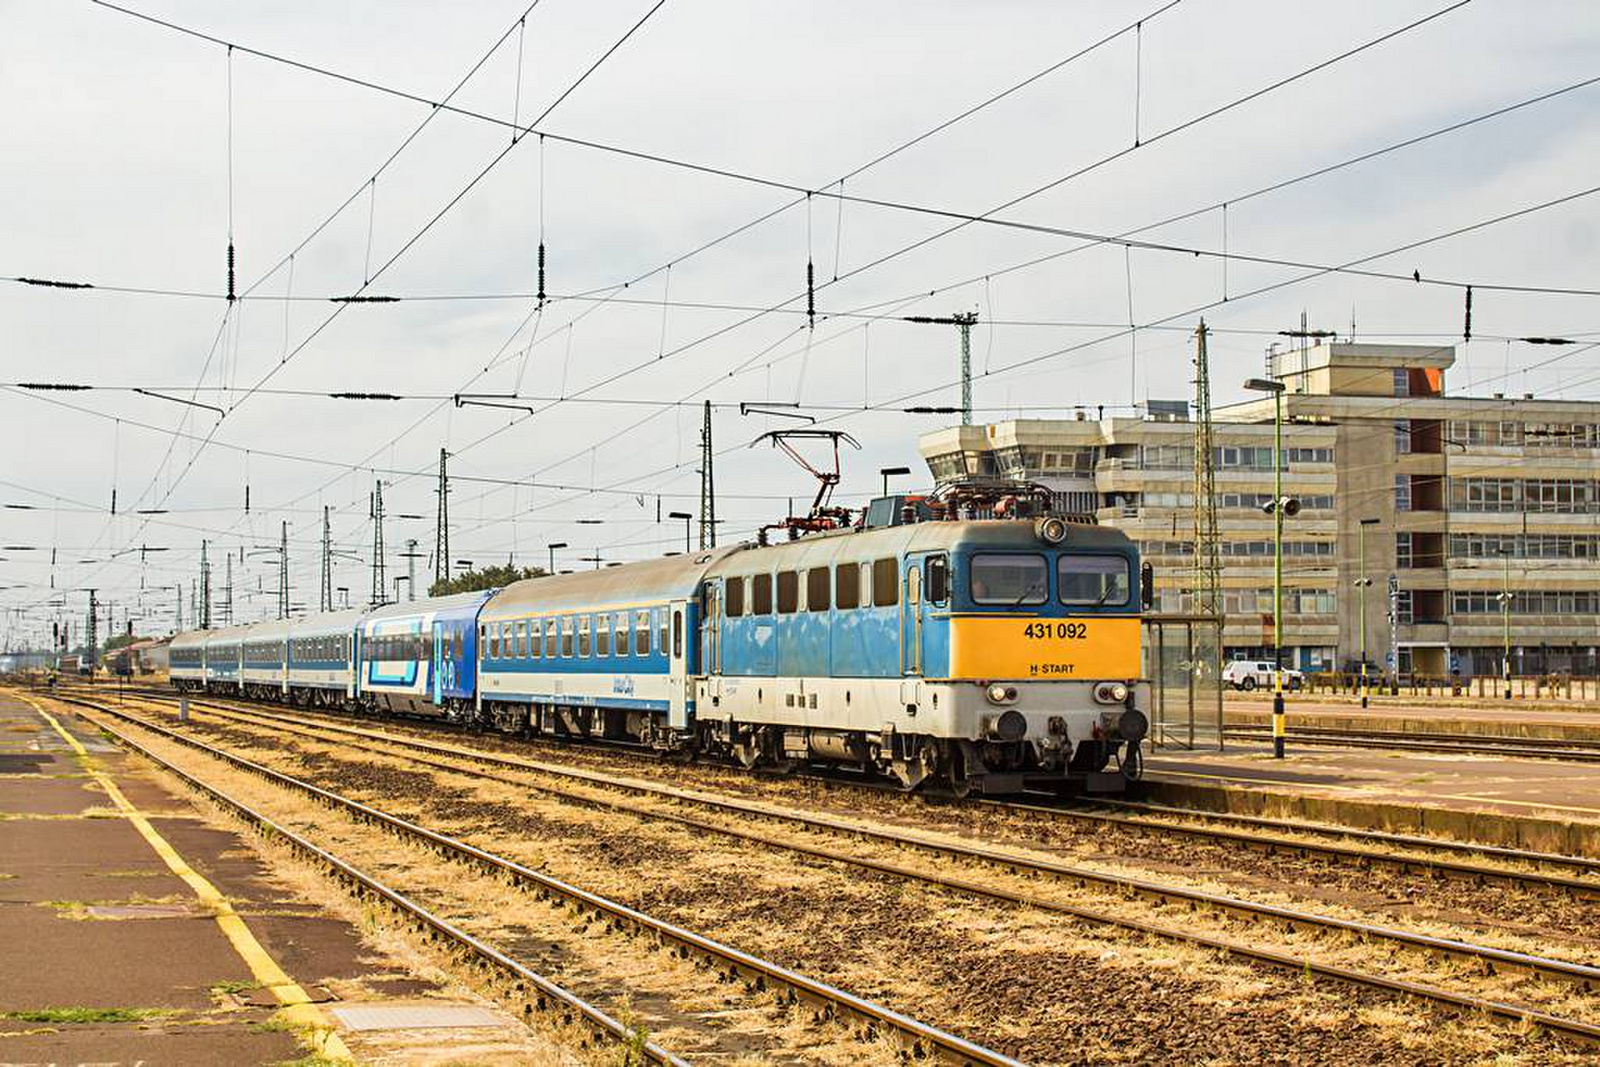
[{"x": 689, "y": 170}]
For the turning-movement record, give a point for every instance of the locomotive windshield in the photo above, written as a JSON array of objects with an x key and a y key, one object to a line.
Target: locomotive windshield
[
  {"x": 1012, "y": 579},
  {"x": 1093, "y": 580}
]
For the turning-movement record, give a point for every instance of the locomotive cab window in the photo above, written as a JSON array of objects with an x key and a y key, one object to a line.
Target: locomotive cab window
[
  {"x": 1093, "y": 580},
  {"x": 938, "y": 575},
  {"x": 1012, "y": 579}
]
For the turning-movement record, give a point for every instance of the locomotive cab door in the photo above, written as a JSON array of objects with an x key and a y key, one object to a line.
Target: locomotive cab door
[
  {"x": 911, "y": 620},
  {"x": 677, "y": 666}
]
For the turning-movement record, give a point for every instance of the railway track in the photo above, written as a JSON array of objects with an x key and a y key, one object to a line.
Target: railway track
[
  {"x": 1484, "y": 958},
  {"x": 918, "y": 1040},
  {"x": 1578, "y": 875},
  {"x": 1464, "y": 744}
]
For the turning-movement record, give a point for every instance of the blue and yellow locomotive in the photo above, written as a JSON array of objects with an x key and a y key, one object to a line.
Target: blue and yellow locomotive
[{"x": 983, "y": 654}]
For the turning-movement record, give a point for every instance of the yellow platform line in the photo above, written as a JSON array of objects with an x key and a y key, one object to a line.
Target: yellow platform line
[{"x": 297, "y": 1005}]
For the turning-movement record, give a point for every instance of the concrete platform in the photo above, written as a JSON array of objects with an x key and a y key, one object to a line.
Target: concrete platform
[
  {"x": 1542, "y": 804},
  {"x": 111, "y": 957},
  {"x": 1513, "y": 719}
]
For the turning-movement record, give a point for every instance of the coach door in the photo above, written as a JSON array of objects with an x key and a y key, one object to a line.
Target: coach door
[
  {"x": 911, "y": 620},
  {"x": 677, "y": 666},
  {"x": 441, "y": 653}
]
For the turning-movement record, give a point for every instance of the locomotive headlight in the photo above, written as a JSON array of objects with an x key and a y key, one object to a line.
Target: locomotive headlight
[
  {"x": 1110, "y": 692},
  {"x": 1050, "y": 530},
  {"x": 1001, "y": 694}
]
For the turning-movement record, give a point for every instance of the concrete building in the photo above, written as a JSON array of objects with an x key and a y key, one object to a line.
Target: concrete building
[{"x": 1471, "y": 496}]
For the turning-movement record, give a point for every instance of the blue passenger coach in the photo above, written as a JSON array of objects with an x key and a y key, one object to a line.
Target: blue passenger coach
[{"x": 412, "y": 657}]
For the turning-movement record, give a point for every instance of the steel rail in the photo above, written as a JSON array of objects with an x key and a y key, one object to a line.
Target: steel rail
[
  {"x": 1535, "y": 879},
  {"x": 550, "y": 996},
  {"x": 1504, "y": 1012},
  {"x": 1582, "y": 975},
  {"x": 923, "y": 1039}
]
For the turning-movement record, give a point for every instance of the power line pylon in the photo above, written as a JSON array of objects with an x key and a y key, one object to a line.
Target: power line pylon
[
  {"x": 964, "y": 321},
  {"x": 283, "y": 570},
  {"x": 227, "y": 589},
  {"x": 379, "y": 581},
  {"x": 326, "y": 599},
  {"x": 205, "y": 587},
  {"x": 708, "y": 487},
  {"x": 1207, "y": 546},
  {"x": 441, "y": 532}
]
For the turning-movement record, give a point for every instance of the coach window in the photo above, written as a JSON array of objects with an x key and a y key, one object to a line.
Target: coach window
[
  {"x": 788, "y": 592},
  {"x": 1093, "y": 580},
  {"x": 620, "y": 624},
  {"x": 641, "y": 633},
  {"x": 817, "y": 581},
  {"x": 938, "y": 573},
  {"x": 602, "y": 635},
  {"x": 847, "y": 587},
  {"x": 733, "y": 598},
  {"x": 583, "y": 636},
  {"x": 566, "y": 637},
  {"x": 661, "y": 640},
  {"x": 1012, "y": 579},
  {"x": 677, "y": 634},
  {"x": 761, "y": 594},
  {"x": 885, "y": 582}
]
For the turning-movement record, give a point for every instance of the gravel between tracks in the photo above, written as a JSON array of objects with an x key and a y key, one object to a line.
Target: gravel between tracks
[{"x": 1030, "y": 984}]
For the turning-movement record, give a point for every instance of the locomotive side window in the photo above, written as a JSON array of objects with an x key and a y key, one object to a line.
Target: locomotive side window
[
  {"x": 1093, "y": 580},
  {"x": 1012, "y": 579},
  {"x": 938, "y": 590},
  {"x": 885, "y": 583},
  {"x": 847, "y": 587},
  {"x": 788, "y": 592},
  {"x": 733, "y": 598},
  {"x": 817, "y": 581},
  {"x": 761, "y": 594}
]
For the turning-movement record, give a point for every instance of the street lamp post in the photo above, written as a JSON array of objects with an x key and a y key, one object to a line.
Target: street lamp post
[
  {"x": 891, "y": 472},
  {"x": 1279, "y": 723},
  {"x": 552, "y": 546},
  {"x": 687, "y": 519},
  {"x": 1364, "y": 583}
]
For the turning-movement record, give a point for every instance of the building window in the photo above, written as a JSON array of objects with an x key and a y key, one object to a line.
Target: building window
[
  {"x": 1402, "y": 382},
  {"x": 1402, "y": 492},
  {"x": 1402, "y": 607}
]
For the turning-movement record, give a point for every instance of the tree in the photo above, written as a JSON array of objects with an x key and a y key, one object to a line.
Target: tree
[
  {"x": 119, "y": 640},
  {"x": 487, "y": 578}
]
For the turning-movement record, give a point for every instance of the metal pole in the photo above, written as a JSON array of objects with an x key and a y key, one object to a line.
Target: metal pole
[
  {"x": 1505, "y": 619},
  {"x": 1278, "y": 718},
  {"x": 1363, "y": 582}
]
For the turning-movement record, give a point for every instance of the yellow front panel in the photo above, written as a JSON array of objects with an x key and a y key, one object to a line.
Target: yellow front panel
[{"x": 1017, "y": 646}]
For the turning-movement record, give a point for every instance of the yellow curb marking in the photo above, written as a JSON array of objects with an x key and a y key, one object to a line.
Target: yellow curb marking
[{"x": 298, "y": 1007}]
